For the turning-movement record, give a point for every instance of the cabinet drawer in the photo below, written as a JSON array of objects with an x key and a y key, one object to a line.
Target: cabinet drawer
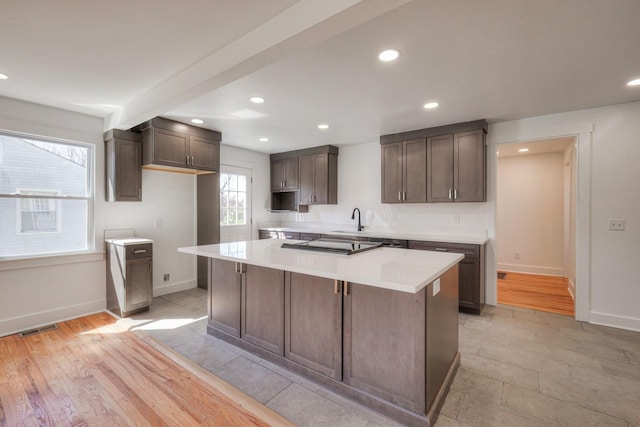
[
  {"x": 469, "y": 251},
  {"x": 144, "y": 250},
  {"x": 310, "y": 236}
]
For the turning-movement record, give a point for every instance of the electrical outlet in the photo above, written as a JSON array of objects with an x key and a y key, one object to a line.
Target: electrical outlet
[
  {"x": 616, "y": 224},
  {"x": 166, "y": 277},
  {"x": 516, "y": 255}
]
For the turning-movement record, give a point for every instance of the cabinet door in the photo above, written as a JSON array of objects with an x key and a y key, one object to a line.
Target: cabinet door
[
  {"x": 263, "y": 308},
  {"x": 392, "y": 172},
  {"x": 277, "y": 174},
  {"x": 291, "y": 171},
  {"x": 170, "y": 148},
  {"x": 204, "y": 153},
  {"x": 306, "y": 180},
  {"x": 469, "y": 286},
  {"x": 225, "y": 289},
  {"x": 313, "y": 323},
  {"x": 139, "y": 283},
  {"x": 127, "y": 179},
  {"x": 440, "y": 184},
  {"x": 320, "y": 179},
  {"x": 384, "y": 344},
  {"x": 469, "y": 166},
  {"x": 414, "y": 162}
]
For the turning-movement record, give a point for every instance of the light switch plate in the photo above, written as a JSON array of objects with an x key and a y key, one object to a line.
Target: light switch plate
[
  {"x": 436, "y": 287},
  {"x": 616, "y": 224}
]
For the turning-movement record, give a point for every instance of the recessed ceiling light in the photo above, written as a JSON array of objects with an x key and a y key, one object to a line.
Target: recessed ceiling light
[
  {"x": 430, "y": 105},
  {"x": 3, "y": 76},
  {"x": 635, "y": 82},
  {"x": 323, "y": 126},
  {"x": 263, "y": 139},
  {"x": 388, "y": 55},
  {"x": 256, "y": 99},
  {"x": 523, "y": 150},
  {"x": 197, "y": 121}
]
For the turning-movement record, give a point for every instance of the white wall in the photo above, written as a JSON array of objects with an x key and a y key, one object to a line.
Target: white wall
[
  {"x": 530, "y": 214},
  {"x": 614, "y": 291}
]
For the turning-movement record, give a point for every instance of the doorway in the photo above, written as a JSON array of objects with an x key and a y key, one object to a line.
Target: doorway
[
  {"x": 235, "y": 203},
  {"x": 536, "y": 224}
]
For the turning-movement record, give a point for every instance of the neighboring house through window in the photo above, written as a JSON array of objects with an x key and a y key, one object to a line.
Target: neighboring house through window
[{"x": 46, "y": 196}]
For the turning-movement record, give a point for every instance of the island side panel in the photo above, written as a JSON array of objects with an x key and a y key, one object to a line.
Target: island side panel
[
  {"x": 224, "y": 296},
  {"x": 263, "y": 307},
  {"x": 313, "y": 323},
  {"x": 442, "y": 333},
  {"x": 384, "y": 344}
]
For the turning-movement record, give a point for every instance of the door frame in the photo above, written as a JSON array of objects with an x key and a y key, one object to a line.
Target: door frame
[{"x": 510, "y": 133}]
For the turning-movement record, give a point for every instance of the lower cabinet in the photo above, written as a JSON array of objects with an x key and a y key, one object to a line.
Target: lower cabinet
[
  {"x": 313, "y": 323},
  {"x": 471, "y": 281},
  {"x": 225, "y": 287},
  {"x": 262, "y": 310},
  {"x": 384, "y": 344}
]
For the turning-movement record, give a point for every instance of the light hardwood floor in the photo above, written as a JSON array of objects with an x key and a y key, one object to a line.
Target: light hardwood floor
[
  {"x": 90, "y": 371},
  {"x": 544, "y": 293}
]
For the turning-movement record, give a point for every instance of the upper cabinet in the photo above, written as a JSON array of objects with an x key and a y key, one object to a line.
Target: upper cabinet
[
  {"x": 123, "y": 160},
  {"x": 442, "y": 164},
  {"x": 304, "y": 177},
  {"x": 170, "y": 145},
  {"x": 319, "y": 179},
  {"x": 456, "y": 167},
  {"x": 284, "y": 174},
  {"x": 404, "y": 171}
]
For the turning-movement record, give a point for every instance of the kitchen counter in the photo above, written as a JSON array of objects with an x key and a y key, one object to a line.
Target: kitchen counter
[
  {"x": 395, "y": 269},
  {"x": 436, "y": 236}
]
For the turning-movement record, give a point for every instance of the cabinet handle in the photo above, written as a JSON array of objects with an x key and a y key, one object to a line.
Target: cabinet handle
[
  {"x": 336, "y": 287},
  {"x": 441, "y": 249},
  {"x": 191, "y": 161},
  {"x": 140, "y": 251},
  {"x": 285, "y": 183},
  {"x": 314, "y": 198},
  {"x": 404, "y": 195},
  {"x": 449, "y": 194},
  {"x": 346, "y": 288},
  {"x": 187, "y": 160},
  {"x": 399, "y": 195},
  {"x": 455, "y": 194}
]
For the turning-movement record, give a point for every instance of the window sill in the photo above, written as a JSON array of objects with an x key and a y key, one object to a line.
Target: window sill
[{"x": 48, "y": 260}]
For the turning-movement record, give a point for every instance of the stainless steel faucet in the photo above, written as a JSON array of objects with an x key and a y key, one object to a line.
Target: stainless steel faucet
[{"x": 353, "y": 216}]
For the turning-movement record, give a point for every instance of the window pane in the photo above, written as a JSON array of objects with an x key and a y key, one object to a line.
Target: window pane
[
  {"x": 42, "y": 232},
  {"x": 224, "y": 215},
  {"x": 233, "y": 182},
  {"x": 242, "y": 200},
  {"x": 242, "y": 183},
  {"x": 28, "y": 164},
  {"x": 224, "y": 179},
  {"x": 224, "y": 199},
  {"x": 240, "y": 219},
  {"x": 233, "y": 200}
]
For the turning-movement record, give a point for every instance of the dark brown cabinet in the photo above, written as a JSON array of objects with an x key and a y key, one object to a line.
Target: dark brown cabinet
[
  {"x": 123, "y": 162},
  {"x": 225, "y": 287},
  {"x": 471, "y": 277},
  {"x": 318, "y": 179},
  {"x": 440, "y": 164},
  {"x": 456, "y": 167},
  {"x": 404, "y": 171},
  {"x": 129, "y": 278},
  {"x": 170, "y": 145},
  {"x": 313, "y": 323},
  {"x": 263, "y": 307},
  {"x": 284, "y": 174}
]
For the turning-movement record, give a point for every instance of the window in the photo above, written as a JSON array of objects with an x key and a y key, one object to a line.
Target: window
[
  {"x": 46, "y": 196},
  {"x": 233, "y": 199}
]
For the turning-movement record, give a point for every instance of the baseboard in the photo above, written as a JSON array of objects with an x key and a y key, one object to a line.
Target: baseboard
[
  {"x": 158, "y": 291},
  {"x": 531, "y": 269},
  {"x": 621, "y": 322},
  {"x": 35, "y": 320},
  {"x": 572, "y": 289}
]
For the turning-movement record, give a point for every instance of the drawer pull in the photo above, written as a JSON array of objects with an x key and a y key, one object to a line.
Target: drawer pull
[
  {"x": 441, "y": 249},
  {"x": 140, "y": 251}
]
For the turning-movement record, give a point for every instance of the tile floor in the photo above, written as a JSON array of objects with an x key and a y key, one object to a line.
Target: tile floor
[{"x": 519, "y": 367}]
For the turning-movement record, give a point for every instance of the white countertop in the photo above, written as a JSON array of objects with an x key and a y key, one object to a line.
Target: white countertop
[
  {"x": 402, "y": 270},
  {"x": 436, "y": 236},
  {"x": 129, "y": 241}
]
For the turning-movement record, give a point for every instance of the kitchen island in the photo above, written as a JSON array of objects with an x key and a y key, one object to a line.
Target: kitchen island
[{"x": 380, "y": 326}]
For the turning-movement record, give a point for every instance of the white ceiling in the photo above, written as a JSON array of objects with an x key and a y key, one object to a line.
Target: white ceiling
[{"x": 317, "y": 62}]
